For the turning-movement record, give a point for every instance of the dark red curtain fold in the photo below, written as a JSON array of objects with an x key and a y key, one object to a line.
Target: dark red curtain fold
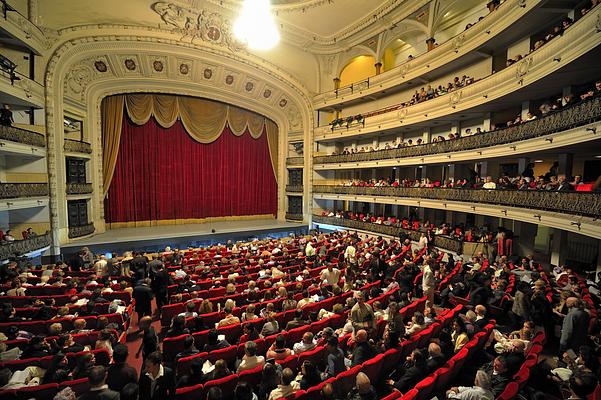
[{"x": 163, "y": 174}]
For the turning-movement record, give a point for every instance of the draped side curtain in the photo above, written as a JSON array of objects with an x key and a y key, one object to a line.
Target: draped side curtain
[{"x": 204, "y": 121}]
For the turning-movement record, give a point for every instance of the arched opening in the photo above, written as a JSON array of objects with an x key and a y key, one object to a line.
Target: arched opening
[{"x": 359, "y": 68}]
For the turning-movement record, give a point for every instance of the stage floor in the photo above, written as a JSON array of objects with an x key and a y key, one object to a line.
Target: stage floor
[{"x": 183, "y": 236}]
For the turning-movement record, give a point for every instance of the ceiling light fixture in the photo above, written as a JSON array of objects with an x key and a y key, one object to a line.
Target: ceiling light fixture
[
  {"x": 256, "y": 26},
  {"x": 538, "y": 161}
]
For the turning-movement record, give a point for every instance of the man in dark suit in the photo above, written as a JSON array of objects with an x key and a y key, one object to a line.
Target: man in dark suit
[
  {"x": 363, "y": 349},
  {"x": 119, "y": 373},
  {"x": 158, "y": 382},
  {"x": 499, "y": 374},
  {"x": 297, "y": 321},
  {"x": 416, "y": 369},
  {"x": 435, "y": 357},
  {"x": 143, "y": 295},
  {"x": 99, "y": 390},
  {"x": 160, "y": 283},
  {"x": 139, "y": 266}
]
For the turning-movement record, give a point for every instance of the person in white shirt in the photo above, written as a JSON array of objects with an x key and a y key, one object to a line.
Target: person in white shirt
[
  {"x": 309, "y": 250},
  {"x": 307, "y": 343},
  {"x": 423, "y": 242},
  {"x": 428, "y": 284},
  {"x": 480, "y": 390},
  {"x": 250, "y": 359},
  {"x": 489, "y": 183},
  {"x": 331, "y": 275},
  {"x": 288, "y": 386}
]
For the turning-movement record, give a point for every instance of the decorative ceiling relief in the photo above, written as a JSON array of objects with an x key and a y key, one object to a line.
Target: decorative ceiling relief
[
  {"x": 294, "y": 118},
  {"x": 229, "y": 79},
  {"x": 130, "y": 64},
  {"x": 197, "y": 25},
  {"x": 158, "y": 65}
]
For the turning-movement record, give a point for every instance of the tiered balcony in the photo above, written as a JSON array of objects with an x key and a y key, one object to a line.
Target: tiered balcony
[
  {"x": 443, "y": 242},
  {"x": 23, "y": 195},
  {"x": 554, "y": 130},
  {"x": 21, "y": 30},
  {"x": 26, "y": 246},
  {"x": 450, "y": 55},
  {"x": 576, "y": 42},
  {"x": 79, "y": 231},
  {"x": 23, "y": 142},
  {"x": 574, "y": 211}
]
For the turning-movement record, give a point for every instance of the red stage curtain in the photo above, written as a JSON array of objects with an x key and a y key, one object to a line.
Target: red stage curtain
[{"x": 162, "y": 174}]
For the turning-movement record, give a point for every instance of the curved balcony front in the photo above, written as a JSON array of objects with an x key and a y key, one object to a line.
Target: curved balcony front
[
  {"x": 524, "y": 79},
  {"x": 578, "y": 212},
  {"x": 573, "y": 125},
  {"x": 23, "y": 247},
  {"x": 440, "y": 241},
  {"x": 508, "y": 20}
]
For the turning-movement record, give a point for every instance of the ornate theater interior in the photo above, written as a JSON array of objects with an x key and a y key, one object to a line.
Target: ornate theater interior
[{"x": 300, "y": 199}]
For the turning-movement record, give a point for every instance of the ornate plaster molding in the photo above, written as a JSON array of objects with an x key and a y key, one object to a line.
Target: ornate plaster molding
[{"x": 117, "y": 59}]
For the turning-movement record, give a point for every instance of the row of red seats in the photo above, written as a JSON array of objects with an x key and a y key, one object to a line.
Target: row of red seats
[
  {"x": 63, "y": 299},
  {"x": 41, "y": 327},
  {"x": 253, "y": 377}
]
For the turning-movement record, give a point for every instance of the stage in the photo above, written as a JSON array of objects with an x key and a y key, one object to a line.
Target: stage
[{"x": 155, "y": 238}]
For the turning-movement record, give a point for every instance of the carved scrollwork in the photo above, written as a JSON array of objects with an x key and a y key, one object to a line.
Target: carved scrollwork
[
  {"x": 579, "y": 203},
  {"x": 18, "y": 190},
  {"x": 20, "y": 247},
  {"x": 294, "y": 217},
  {"x": 75, "y": 146},
  {"x": 295, "y": 161},
  {"x": 443, "y": 242},
  {"x": 79, "y": 231},
  {"x": 294, "y": 188},
  {"x": 210, "y": 27},
  {"x": 22, "y": 136},
  {"x": 523, "y": 67},
  {"x": 458, "y": 41},
  {"x": 578, "y": 115},
  {"x": 79, "y": 188}
]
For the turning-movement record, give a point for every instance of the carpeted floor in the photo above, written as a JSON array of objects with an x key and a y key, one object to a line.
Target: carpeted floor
[{"x": 134, "y": 339}]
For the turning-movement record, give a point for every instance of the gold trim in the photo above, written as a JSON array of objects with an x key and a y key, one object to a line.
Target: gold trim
[{"x": 163, "y": 222}]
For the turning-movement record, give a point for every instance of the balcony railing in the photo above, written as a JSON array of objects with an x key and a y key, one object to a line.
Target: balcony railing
[
  {"x": 294, "y": 188},
  {"x": 79, "y": 231},
  {"x": 22, "y": 136},
  {"x": 461, "y": 44},
  {"x": 76, "y": 146},
  {"x": 580, "y": 203},
  {"x": 571, "y": 117},
  {"x": 294, "y": 217},
  {"x": 579, "y": 39},
  {"x": 443, "y": 242},
  {"x": 17, "y": 190},
  {"x": 19, "y": 247},
  {"x": 300, "y": 161},
  {"x": 79, "y": 188}
]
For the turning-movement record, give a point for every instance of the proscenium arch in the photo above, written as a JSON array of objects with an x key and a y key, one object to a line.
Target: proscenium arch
[{"x": 73, "y": 51}]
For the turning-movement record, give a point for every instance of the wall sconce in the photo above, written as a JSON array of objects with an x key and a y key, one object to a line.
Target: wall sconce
[
  {"x": 594, "y": 130},
  {"x": 538, "y": 216}
]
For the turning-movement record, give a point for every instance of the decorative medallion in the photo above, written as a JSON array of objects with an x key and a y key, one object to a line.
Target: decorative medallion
[
  {"x": 213, "y": 33},
  {"x": 402, "y": 113},
  {"x": 184, "y": 69},
  {"x": 208, "y": 73},
  {"x": 100, "y": 66},
  {"x": 249, "y": 86},
  {"x": 523, "y": 67},
  {"x": 267, "y": 93},
  {"x": 283, "y": 102},
  {"x": 455, "y": 97},
  {"x": 229, "y": 79},
  {"x": 130, "y": 64},
  {"x": 157, "y": 65}
]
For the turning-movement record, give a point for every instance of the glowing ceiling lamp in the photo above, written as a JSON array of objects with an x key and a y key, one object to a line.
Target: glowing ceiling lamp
[{"x": 256, "y": 26}]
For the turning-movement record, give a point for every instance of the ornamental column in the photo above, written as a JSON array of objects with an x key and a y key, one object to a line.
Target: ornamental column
[
  {"x": 431, "y": 43},
  {"x": 336, "y": 83},
  {"x": 378, "y": 66}
]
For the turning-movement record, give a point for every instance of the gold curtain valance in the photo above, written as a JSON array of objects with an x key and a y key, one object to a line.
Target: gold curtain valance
[{"x": 204, "y": 120}]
